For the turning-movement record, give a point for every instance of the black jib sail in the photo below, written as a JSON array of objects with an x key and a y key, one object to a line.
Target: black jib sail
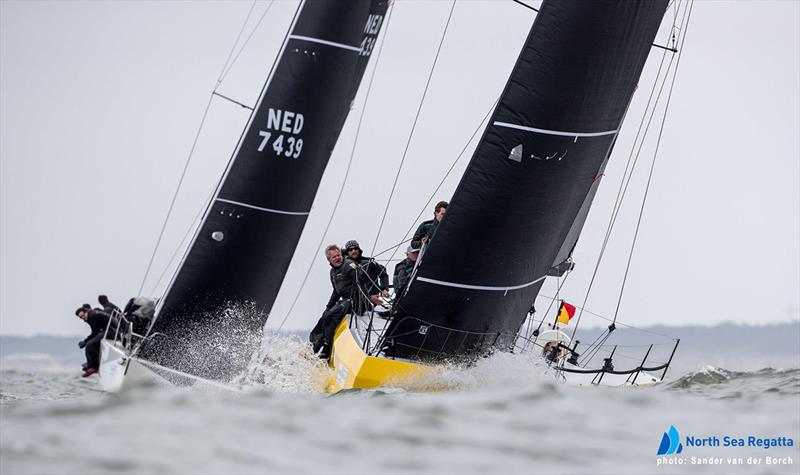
[
  {"x": 521, "y": 203},
  {"x": 231, "y": 274}
]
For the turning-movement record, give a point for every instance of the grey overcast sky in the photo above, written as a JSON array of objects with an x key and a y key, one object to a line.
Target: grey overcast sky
[{"x": 100, "y": 101}]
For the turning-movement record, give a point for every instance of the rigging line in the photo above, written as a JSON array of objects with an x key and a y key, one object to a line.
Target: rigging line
[
  {"x": 627, "y": 179},
  {"x": 233, "y": 154},
  {"x": 233, "y": 46},
  {"x": 617, "y": 323},
  {"x": 591, "y": 352},
  {"x": 175, "y": 195},
  {"x": 552, "y": 301},
  {"x": 231, "y": 100},
  {"x": 630, "y": 165},
  {"x": 615, "y": 213},
  {"x": 346, "y": 173},
  {"x": 413, "y": 127},
  {"x": 249, "y": 37},
  {"x": 621, "y": 192},
  {"x": 192, "y": 226},
  {"x": 447, "y": 174},
  {"x": 547, "y": 312},
  {"x": 665, "y": 48},
  {"x": 189, "y": 158},
  {"x": 676, "y": 9},
  {"x": 653, "y": 164},
  {"x": 525, "y": 5},
  {"x": 395, "y": 246},
  {"x": 624, "y": 184}
]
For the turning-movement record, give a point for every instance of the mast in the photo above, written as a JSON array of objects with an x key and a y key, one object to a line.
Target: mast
[
  {"x": 524, "y": 197},
  {"x": 223, "y": 291}
]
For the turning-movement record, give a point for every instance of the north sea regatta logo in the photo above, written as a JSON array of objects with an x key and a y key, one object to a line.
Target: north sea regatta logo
[
  {"x": 671, "y": 449},
  {"x": 670, "y": 442}
]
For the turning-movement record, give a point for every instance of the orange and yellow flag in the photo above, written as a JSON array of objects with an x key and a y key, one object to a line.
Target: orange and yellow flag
[{"x": 565, "y": 313}]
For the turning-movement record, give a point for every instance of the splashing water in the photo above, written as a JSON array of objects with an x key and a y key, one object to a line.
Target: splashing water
[{"x": 285, "y": 364}]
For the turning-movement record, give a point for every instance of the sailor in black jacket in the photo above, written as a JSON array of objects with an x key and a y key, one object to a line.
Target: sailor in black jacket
[
  {"x": 426, "y": 228},
  {"x": 343, "y": 275},
  {"x": 97, "y": 321},
  {"x": 108, "y": 307},
  {"x": 371, "y": 278},
  {"x": 403, "y": 270}
]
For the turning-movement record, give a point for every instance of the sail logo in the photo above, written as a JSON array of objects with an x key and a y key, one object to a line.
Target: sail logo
[
  {"x": 670, "y": 442},
  {"x": 371, "y": 30},
  {"x": 284, "y": 127},
  {"x": 285, "y": 121}
]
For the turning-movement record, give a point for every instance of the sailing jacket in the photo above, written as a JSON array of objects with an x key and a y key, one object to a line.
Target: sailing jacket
[
  {"x": 110, "y": 308},
  {"x": 423, "y": 230},
  {"x": 372, "y": 277},
  {"x": 402, "y": 274},
  {"x": 97, "y": 321},
  {"x": 342, "y": 279}
]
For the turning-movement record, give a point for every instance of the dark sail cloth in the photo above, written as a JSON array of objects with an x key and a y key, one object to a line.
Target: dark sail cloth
[
  {"x": 236, "y": 263},
  {"x": 343, "y": 280},
  {"x": 523, "y": 198},
  {"x": 97, "y": 321}
]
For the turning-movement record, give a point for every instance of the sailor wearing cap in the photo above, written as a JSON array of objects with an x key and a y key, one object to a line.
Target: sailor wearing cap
[
  {"x": 373, "y": 279},
  {"x": 402, "y": 271}
]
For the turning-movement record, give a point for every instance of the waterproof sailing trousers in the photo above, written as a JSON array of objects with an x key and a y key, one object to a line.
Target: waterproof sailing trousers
[
  {"x": 93, "y": 351},
  {"x": 321, "y": 336}
]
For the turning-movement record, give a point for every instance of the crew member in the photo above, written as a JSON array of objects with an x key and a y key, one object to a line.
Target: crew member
[
  {"x": 403, "y": 270},
  {"x": 372, "y": 279},
  {"x": 343, "y": 277},
  {"x": 140, "y": 311},
  {"x": 108, "y": 307},
  {"x": 426, "y": 228},
  {"x": 97, "y": 321}
]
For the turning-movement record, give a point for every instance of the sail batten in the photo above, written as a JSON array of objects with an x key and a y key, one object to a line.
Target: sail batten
[
  {"x": 268, "y": 210},
  {"x": 524, "y": 196},
  {"x": 479, "y": 287},
  {"x": 555, "y": 132}
]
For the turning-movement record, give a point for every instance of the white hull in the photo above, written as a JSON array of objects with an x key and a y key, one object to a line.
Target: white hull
[{"x": 117, "y": 369}]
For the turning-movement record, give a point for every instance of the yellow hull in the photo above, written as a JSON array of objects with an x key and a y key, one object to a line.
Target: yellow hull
[{"x": 353, "y": 368}]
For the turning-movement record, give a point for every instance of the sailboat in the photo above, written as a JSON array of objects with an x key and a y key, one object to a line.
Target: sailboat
[
  {"x": 518, "y": 211},
  {"x": 211, "y": 316}
]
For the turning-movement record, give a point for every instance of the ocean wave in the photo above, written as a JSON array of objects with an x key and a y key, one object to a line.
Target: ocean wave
[{"x": 722, "y": 383}]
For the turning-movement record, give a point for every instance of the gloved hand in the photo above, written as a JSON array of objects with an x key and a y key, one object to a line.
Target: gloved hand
[{"x": 81, "y": 343}]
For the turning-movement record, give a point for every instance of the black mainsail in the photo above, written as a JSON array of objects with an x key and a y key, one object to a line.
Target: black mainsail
[
  {"x": 243, "y": 247},
  {"x": 523, "y": 199}
]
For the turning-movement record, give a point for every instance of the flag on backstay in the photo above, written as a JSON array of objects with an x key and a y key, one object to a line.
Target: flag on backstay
[{"x": 565, "y": 313}]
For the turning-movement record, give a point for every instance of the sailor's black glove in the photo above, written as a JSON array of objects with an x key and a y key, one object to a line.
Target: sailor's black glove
[{"x": 81, "y": 343}]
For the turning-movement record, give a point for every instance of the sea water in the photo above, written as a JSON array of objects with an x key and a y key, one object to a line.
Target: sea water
[{"x": 503, "y": 415}]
